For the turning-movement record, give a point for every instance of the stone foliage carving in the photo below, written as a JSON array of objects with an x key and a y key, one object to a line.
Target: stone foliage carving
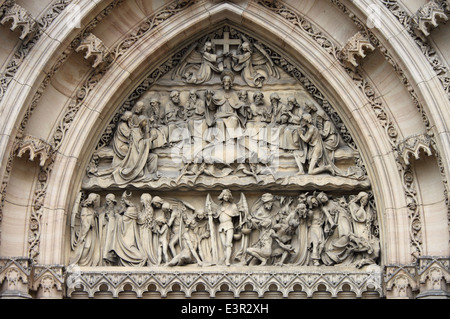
[
  {"x": 48, "y": 281},
  {"x": 425, "y": 46},
  {"x": 429, "y": 277},
  {"x": 304, "y": 230}
]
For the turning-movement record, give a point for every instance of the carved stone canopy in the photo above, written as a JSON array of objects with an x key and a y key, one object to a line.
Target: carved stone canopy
[{"x": 226, "y": 158}]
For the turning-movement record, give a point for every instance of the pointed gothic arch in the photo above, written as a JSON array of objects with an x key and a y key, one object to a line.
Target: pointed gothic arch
[{"x": 107, "y": 90}]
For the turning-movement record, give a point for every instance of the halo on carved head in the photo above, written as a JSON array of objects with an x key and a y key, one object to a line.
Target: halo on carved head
[{"x": 227, "y": 72}]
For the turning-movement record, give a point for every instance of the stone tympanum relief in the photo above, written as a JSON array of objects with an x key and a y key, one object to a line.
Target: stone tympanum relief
[
  {"x": 305, "y": 230},
  {"x": 225, "y": 160}
]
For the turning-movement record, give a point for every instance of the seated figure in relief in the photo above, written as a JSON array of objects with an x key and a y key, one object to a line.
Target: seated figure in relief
[
  {"x": 224, "y": 105},
  {"x": 199, "y": 66}
]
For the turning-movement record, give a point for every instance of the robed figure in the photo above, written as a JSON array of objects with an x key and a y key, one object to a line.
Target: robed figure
[
  {"x": 139, "y": 163},
  {"x": 127, "y": 244},
  {"x": 85, "y": 232}
]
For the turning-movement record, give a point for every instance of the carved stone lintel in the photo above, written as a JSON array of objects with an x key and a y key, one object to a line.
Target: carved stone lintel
[
  {"x": 357, "y": 46},
  {"x": 14, "y": 277},
  {"x": 19, "y": 17},
  {"x": 413, "y": 145},
  {"x": 90, "y": 281},
  {"x": 427, "y": 18},
  {"x": 94, "y": 48},
  {"x": 36, "y": 147}
]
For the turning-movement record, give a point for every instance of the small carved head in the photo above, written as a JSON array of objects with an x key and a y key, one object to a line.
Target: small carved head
[
  {"x": 274, "y": 97},
  {"x": 227, "y": 82},
  {"x": 258, "y": 97},
  {"x": 193, "y": 94},
  {"x": 139, "y": 107},
  {"x": 157, "y": 201},
  {"x": 208, "y": 47},
  {"x": 175, "y": 96},
  {"x": 110, "y": 198},
  {"x": 166, "y": 207},
  {"x": 126, "y": 116},
  {"x": 226, "y": 195}
]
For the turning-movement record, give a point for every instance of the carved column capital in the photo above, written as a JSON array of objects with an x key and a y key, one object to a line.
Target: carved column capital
[
  {"x": 400, "y": 281},
  {"x": 19, "y": 17},
  {"x": 427, "y": 18},
  {"x": 36, "y": 148},
  {"x": 14, "y": 277},
  {"x": 48, "y": 281},
  {"x": 94, "y": 49},
  {"x": 428, "y": 277},
  {"x": 434, "y": 277},
  {"x": 356, "y": 47}
]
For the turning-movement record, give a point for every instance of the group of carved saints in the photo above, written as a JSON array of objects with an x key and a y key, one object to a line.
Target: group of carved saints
[
  {"x": 224, "y": 130},
  {"x": 208, "y": 129},
  {"x": 304, "y": 230}
]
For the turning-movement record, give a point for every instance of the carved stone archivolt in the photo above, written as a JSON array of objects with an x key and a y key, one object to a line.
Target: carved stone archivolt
[{"x": 189, "y": 171}]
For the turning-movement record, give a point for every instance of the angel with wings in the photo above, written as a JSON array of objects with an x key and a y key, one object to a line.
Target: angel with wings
[
  {"x": 254, "y": 64},
  {"x": 227, "y": 212},
  {"x": 198, "y": 66}
]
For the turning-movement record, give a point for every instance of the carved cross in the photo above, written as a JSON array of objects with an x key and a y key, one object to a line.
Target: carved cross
[{"x": 226, "y": 42}]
